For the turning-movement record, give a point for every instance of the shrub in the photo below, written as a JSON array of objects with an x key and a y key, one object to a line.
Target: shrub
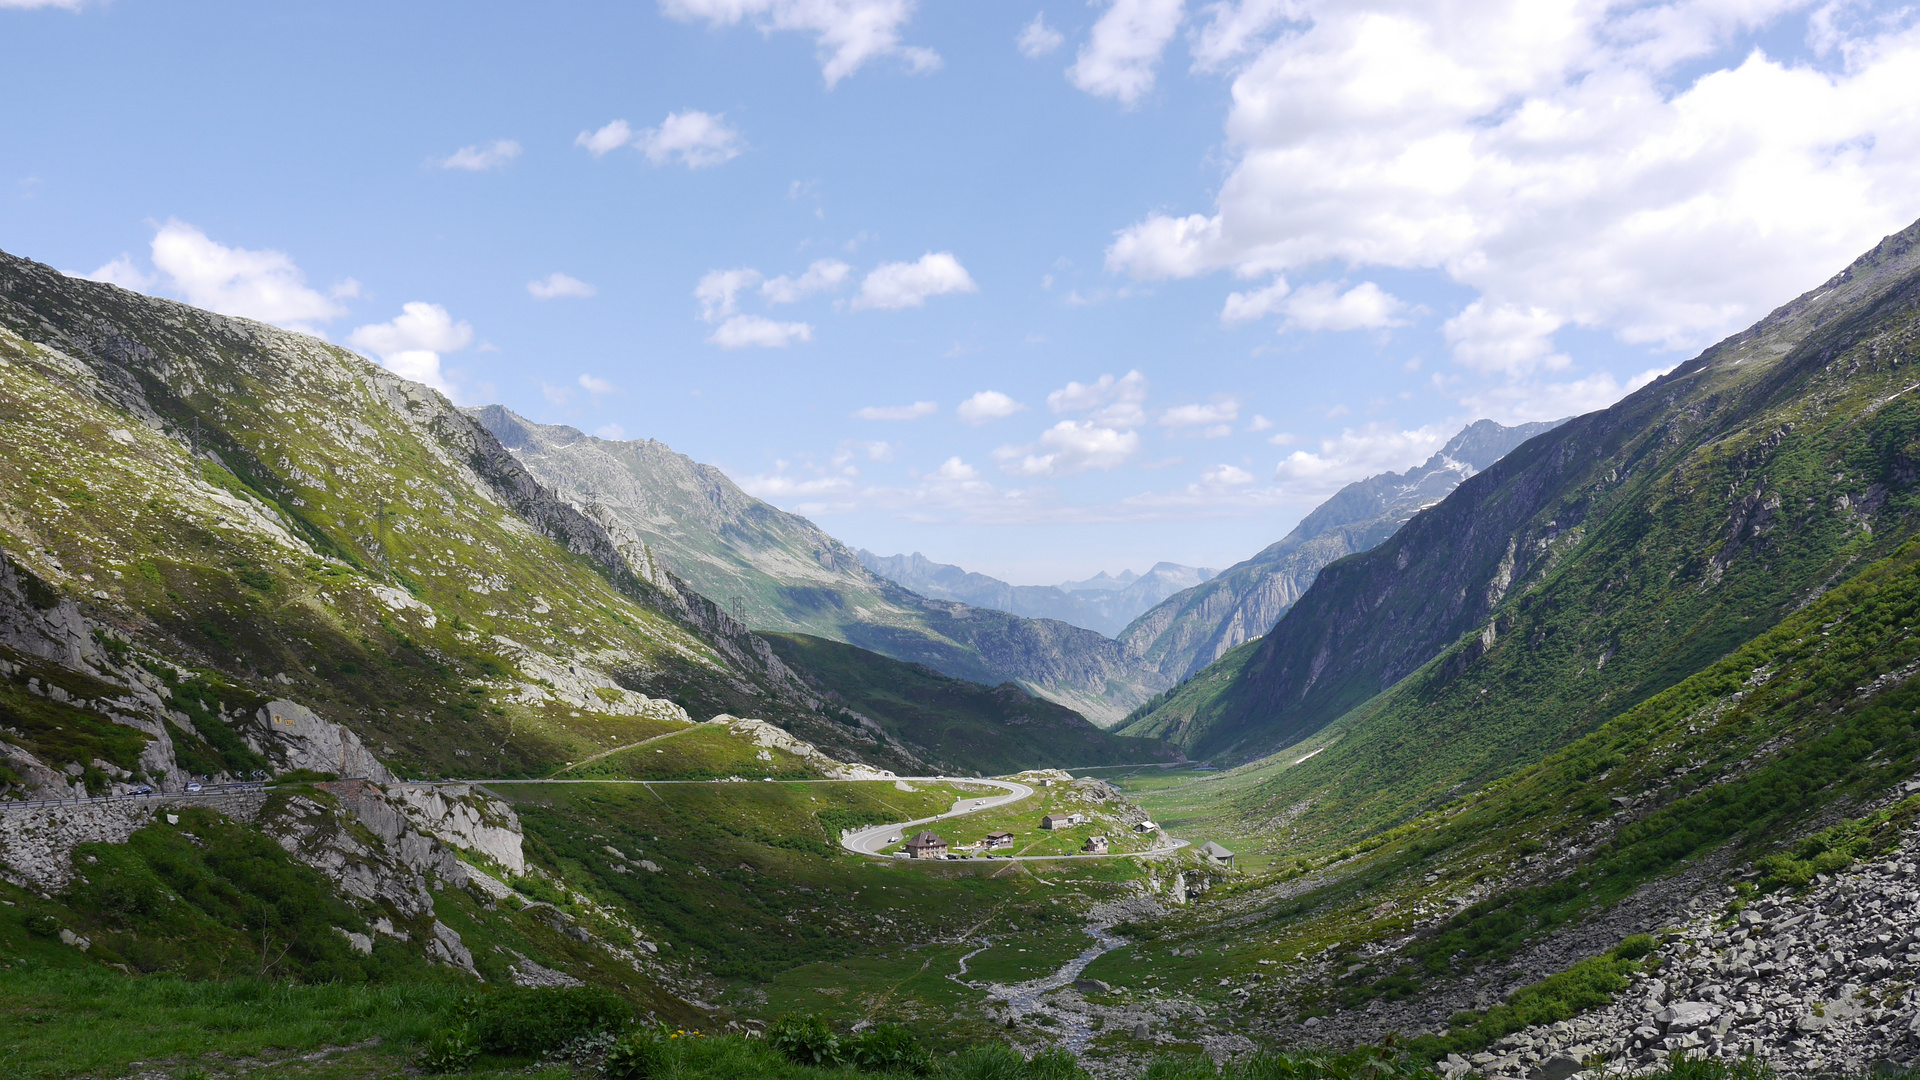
[
  {"x": 536, "y": 1021},
  {"x": 637, "y": 1056},
  {"x": 450, "y": 1050},
  {"x": 1635, "y": 947},
  {"x": 889, "y": 1048},
  {"x": 805, "y": 1040}
]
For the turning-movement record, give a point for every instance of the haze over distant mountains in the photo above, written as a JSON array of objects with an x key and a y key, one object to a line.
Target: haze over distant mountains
[
  {"x": 1199, "y": 625},
  {"x": 776, "y": 571},
  {"x": 1104, "y": 602}
]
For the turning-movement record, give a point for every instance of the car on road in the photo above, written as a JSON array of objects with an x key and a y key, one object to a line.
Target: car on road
[
  {"x": 141, "y": 789},
  {"x": 193, "y": 787}
]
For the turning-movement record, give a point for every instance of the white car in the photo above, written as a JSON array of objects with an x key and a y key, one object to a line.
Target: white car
[{"x": 193, "y": 787}]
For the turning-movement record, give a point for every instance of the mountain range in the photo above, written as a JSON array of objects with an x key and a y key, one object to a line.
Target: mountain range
[{"x": 1105, "y": 603}]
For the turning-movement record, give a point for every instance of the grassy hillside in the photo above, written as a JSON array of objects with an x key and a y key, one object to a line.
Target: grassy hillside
[
  {"x": 1601, "y": 562},
  {"x": 1812, "y": 722},
  {"x": 255, "y": 514},
  {"x": 960, "y": 725}
]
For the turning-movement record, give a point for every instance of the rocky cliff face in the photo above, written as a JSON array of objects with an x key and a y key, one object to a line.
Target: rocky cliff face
[
  {"x": 1198, "y": 625},
  {"x": 777, "y": 571}
]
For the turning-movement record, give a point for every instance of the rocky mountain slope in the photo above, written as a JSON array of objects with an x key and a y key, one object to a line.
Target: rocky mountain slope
[
  {"x": 254, "y": 514},
  {"x": 1602, "y": 561},
  {"x": 1198, "y": 625},
  {"x": 1103, "y": 603},
  {"x": 778, "y": 571}
]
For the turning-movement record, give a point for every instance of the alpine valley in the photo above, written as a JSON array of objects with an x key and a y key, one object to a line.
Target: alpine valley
[{"x": 348, "y": 733}]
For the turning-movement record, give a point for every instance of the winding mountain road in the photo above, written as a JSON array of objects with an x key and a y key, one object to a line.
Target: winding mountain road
[{"x": 868, "y": 841}]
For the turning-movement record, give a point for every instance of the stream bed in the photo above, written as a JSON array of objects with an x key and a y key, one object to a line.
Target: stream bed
[{"x": 1023, "y": 998}]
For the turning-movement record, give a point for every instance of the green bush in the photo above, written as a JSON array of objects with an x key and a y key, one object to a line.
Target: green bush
[
  {"x": 888, "y": 1048},
  {"x": 450, "y": 1050},
  {"x": 638, "y": 1055},
  {"x": 536, "y": 1021},
  {"x": 805, "y": 1040}
]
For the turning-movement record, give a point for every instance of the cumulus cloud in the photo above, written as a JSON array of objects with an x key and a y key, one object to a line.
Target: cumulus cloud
[
  {"x": 823, "y": 275},
  {"x": 1069, "y": 447},
  {"x": 848, "y": 33},
  {"x": 1322, "y": 306},
  {"x": 1214, "y": 420},
  {"x": 987, "y": 406},
  {"x": 1114, "y": 402},
  {"x": 1357, "y": 453},
  {"x": 1242, "y": 307},
  {"x": 557, "y": 284},
  {"x": 1037, "y": 39},
  {"x": 264, "y": 285},
  {"x": 611, "y": 432},
  {"x": 1120, "y": 55},
  {"x": 757, "y": 331},
  {"x": 482, "y": 157},
  {"x": 1225, "y": 476},
  {"x": 598, "y": 387},
  {"x": 124, "y": 273},
  {"x": 1504, "y": 339},
  {"x": 719, "y": 292},
  {"x": 1522, "y": 401},
  {"x": 1590, "y": 166},
  {"x": 411, "y": 343},
  {"x": 903, "y": 284},
  {"x": 699, "y": 140},
  {"x": 607, "y": 139},
  {"x": 897, "y": 412}
]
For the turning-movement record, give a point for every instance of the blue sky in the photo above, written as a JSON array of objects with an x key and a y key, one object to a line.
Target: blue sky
[{"x": 1194, "y": 265}]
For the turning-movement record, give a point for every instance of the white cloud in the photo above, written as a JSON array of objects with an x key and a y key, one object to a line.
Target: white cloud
[
  {"x": 1504, "y": 339},
  {"x": 1359, "y": 453},
  {"x": 1242, "y": 307},
  {"x": 1593, "y": 163},
  {"x": 1225, "y": 476},
  {"x": 897, "y": 412},
  {"x": 556, "y": 395},
  {"x": 1069, "y": 447},
  {"x": 411, "y": 342},
  {"x": 1259, "y": 423},
  {"x": 823, "y": 275},
  {"x": 1215, "y": 420},
  {"x": 1037, "y": 39},
  {"x": 848, "y": 32},
  {"x": 988, "y": 405},
  {"x": 698, "y": 139},
  {"x": 123, "y": 273},
  {"x": 611, "y": 137},
  {"x": 719, "y": 291},
  {"x": 597, "y": 386},
  {"x": 481, "y": 158},
  {"x": 70, "y": 5},
  {"x": 557, "y": 284},
  {"x": 744, "y": 331},
  {"x": 1520, "y": 402},
  {"x": 1322, "y": 306},
  {"x": 611, "y": 432},
  {"x": 903, "y": 285},
  {"x": 1118, "y": 58},
  {"x": 263, "y": 285},
  {"x": 1117, "y": 402}
]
